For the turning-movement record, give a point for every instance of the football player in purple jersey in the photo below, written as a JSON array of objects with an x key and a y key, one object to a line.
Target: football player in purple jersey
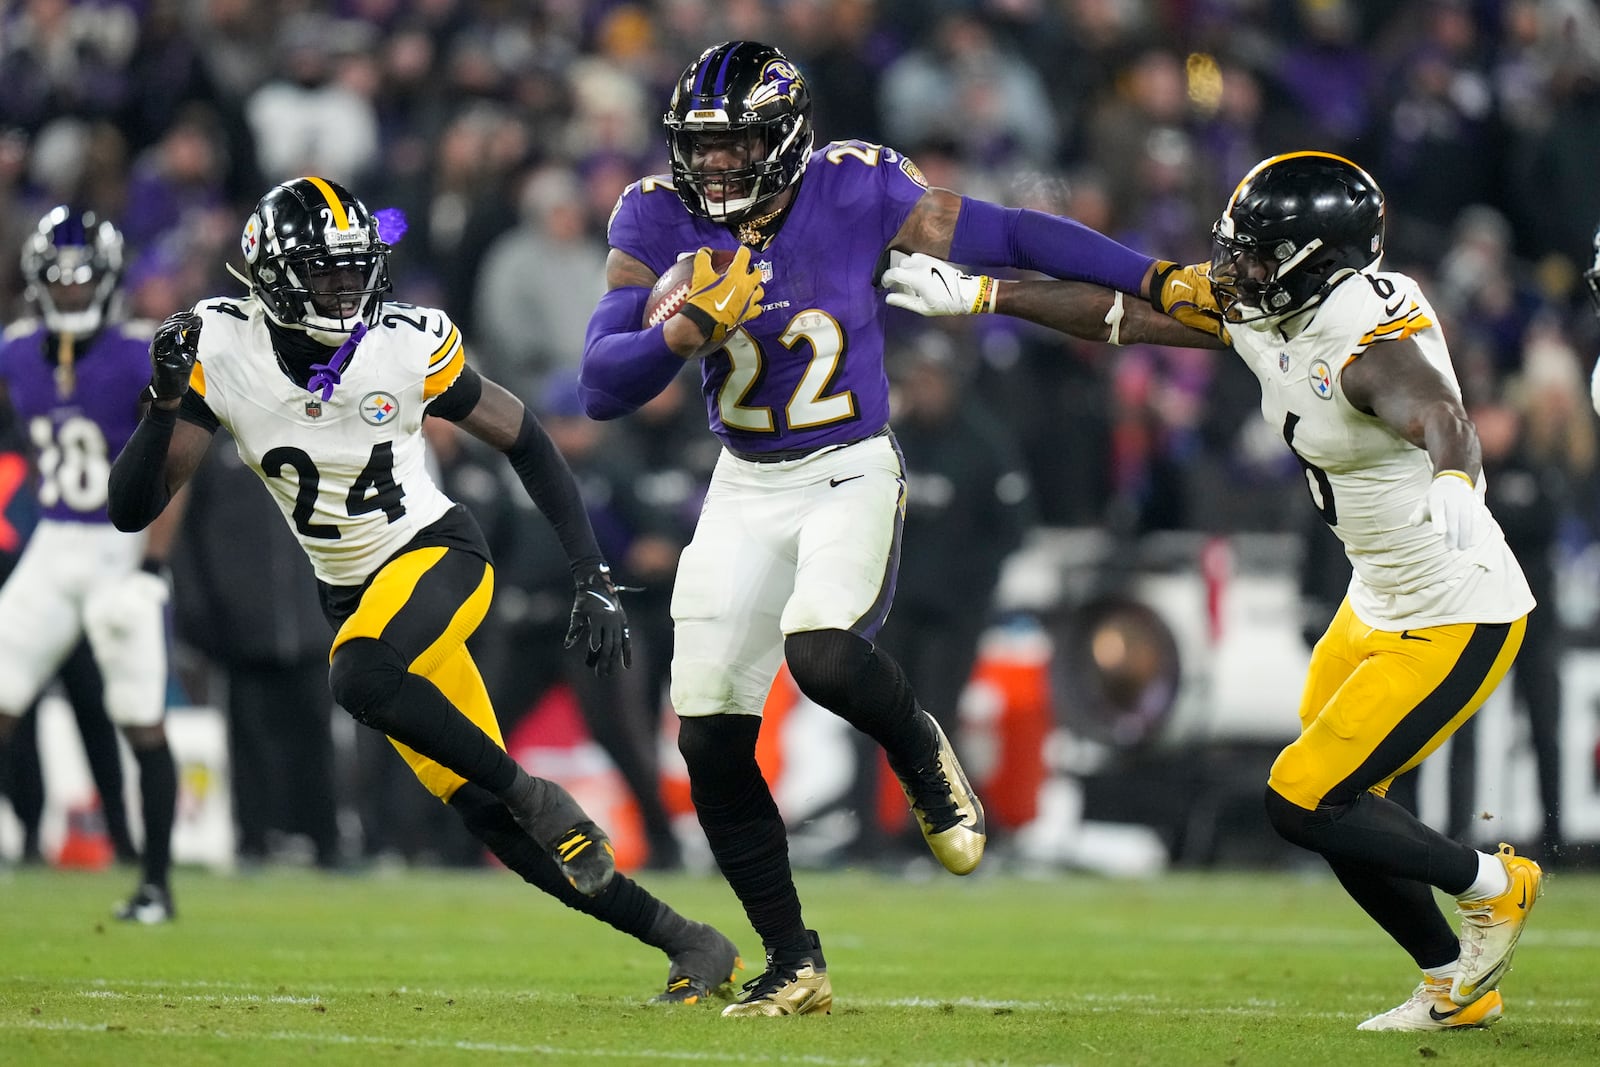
[
  {"x": 71, "y": 376},
  {"x": 794, "y": 557}
]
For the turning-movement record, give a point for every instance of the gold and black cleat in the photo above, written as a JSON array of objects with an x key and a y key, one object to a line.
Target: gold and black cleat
[
  {"x": 948, "y": 811},
  {"x": 789, "y": 986}
]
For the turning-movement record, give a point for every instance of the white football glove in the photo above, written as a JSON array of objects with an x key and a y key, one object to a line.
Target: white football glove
[
  {"x": 1455, "y": 508},
  {"x": 930, "y": 286}
]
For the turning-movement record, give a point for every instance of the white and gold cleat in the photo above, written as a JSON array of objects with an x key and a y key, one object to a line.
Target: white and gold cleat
[
  {"x": 1490, "y": 928},
  {"x": 1430, "y": 1008}
]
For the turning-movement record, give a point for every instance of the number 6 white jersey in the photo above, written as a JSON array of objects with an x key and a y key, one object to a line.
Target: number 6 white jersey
[
  {"x": 1366, "y": 479},
  {"x": 347, "y": 472}
]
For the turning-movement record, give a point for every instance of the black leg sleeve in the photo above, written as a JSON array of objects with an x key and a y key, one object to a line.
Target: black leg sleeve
[
  {"x": 864, "y": 686},
  {"x": 743, "y": 825}
]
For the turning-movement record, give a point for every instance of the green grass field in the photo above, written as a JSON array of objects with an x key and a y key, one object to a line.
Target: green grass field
[{"x": 295, "y": 967}]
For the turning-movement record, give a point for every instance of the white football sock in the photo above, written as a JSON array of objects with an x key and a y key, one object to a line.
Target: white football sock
[{"x": 1492, "y": 879}]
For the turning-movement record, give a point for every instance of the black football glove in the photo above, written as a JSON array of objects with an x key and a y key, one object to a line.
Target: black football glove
[
  {"x": 172, "y": 354},
  {"x": 597, "y": 611}
]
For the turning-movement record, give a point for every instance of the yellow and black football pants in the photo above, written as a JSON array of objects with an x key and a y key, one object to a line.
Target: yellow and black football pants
[
  {"x": 1376, "y": 704},
  {"x": 400, "y": 664}
]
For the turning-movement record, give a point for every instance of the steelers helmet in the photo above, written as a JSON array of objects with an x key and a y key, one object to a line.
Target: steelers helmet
[
  {"x": 1295, "y": 227},
  {"x": 315, "y": 259}
]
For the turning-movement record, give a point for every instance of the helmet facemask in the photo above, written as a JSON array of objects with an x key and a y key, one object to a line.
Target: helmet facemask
[
  {"x": 1253, "y": 283},
  {"x": 737, "y": 193}
]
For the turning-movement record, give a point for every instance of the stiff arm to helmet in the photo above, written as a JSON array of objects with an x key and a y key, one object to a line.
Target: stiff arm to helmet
[{"x": 1295, "y": 226}]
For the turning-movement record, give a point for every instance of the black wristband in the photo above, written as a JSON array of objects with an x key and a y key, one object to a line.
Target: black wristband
[{"x": 701, "y": 318}]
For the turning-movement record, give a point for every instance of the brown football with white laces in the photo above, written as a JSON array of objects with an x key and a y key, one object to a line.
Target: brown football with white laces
[{"x": 672, "y": 288}]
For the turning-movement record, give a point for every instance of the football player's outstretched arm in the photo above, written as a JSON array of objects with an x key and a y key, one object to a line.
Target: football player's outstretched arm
[
  {"x": 499, "y": 419},
  {"x": 960, "y": 228},
  {"x": 930, "y": 286},
  {"x": 164, "y": 451}
]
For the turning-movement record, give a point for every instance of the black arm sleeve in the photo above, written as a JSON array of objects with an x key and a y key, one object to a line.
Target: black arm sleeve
[
  {"x": 457, "y": 402},
  {"x": 548, "y": 480},
  {"x": 138, "y": 484}
]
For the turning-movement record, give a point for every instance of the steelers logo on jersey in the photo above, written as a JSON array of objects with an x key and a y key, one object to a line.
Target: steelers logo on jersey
[
  {"x": 1321, "y": 379},
  {"x": 379, "y": 409}
]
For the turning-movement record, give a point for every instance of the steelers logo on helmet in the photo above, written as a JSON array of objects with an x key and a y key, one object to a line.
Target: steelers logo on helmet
[
  {"x": 1296, "y": 226},
  {"x": 250, "y": 240},
  {"x": 739, "y": 131},
  {"x": 320, "y": 265}
]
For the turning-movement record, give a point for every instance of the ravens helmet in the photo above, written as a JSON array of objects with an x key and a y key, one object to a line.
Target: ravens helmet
[
  {"x": 1293, "y": 229},
  {"x": 72, "y": 264},
  {"x": 315, "y": 259},
  {"x": 750, "y": 100}
]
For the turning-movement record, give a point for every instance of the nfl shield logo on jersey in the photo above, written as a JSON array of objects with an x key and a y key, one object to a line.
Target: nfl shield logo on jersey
[
  {"x": 1322, "y": 379},
  {"x": 313, "y": 409},
  {"x": 1283, "y": 362}
]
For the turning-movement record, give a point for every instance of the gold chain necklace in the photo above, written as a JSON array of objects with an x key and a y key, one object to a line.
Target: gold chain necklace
[{"x": 750, "y": 229}]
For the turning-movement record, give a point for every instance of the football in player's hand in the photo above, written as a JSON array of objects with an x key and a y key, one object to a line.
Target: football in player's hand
[{"x": 672, "y": 288}]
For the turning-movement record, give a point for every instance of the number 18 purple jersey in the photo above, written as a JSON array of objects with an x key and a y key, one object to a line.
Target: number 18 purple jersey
[
  {"x": 809, "y": 371},
  {"x": 75, "y": 437}
]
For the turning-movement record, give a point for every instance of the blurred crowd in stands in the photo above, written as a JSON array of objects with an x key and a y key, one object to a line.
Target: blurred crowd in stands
[{"x": 505, "y": 130}]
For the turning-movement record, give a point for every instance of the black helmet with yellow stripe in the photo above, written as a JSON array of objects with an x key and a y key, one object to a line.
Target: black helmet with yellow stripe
[
  {"x": 1296, "y": 226},
  {"x": 315, "y": 259}
]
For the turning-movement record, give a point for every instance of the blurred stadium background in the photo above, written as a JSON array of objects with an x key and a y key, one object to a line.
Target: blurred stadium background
[{"x": 1143, "y": 643}]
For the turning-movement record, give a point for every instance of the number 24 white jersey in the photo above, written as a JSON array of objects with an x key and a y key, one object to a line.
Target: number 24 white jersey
[
  {"x": 348, "y": 473},
  {"x": 1367, "y": 480}
]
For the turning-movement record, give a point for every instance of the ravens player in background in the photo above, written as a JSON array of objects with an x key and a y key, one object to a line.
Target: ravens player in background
[
  {"x": 1355, "y": 374},
  {"x": 73, "y": 379},
  {"x": 794, "y": 555},
  {"x": 324, "y": 385}
]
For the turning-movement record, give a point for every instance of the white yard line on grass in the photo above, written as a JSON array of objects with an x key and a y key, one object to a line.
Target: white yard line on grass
[{"x": 358, "y": 1040}]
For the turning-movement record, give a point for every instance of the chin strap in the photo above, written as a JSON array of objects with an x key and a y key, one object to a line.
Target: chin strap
[{"x": 325, "y": 376}]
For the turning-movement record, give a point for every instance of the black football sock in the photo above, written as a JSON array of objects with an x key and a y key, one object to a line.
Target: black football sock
[
  {"x": 743, "y": 825},
  {"x": 158, "y": 795},
  {"x": 1378, "y": 835}
]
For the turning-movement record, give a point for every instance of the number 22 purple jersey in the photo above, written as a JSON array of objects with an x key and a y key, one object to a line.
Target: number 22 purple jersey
[
  {"x": 75, "y": 437},
  {"x": 809, "y": 371}
]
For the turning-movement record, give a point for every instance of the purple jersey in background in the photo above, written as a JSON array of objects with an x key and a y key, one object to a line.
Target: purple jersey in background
[
  {"x": 809, "y": 372},
  {"x": 74, "y": 438}
]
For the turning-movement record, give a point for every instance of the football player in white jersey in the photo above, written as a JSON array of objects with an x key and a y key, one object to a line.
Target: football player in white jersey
[
  {"x": 324, "y": 384},
  {"x": 1355, "y": 374},
  {"x": 1591, "y": 279}
]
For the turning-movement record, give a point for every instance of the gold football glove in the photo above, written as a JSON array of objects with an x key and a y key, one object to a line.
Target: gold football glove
[
  {"x": 720, "y": 302},
  {"x": 1185, "y": 294}
]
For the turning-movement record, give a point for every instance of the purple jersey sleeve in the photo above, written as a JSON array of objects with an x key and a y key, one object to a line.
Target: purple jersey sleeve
[
  {"x": 808, "y": 372},
  {"x": 75, "y": 432}
]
